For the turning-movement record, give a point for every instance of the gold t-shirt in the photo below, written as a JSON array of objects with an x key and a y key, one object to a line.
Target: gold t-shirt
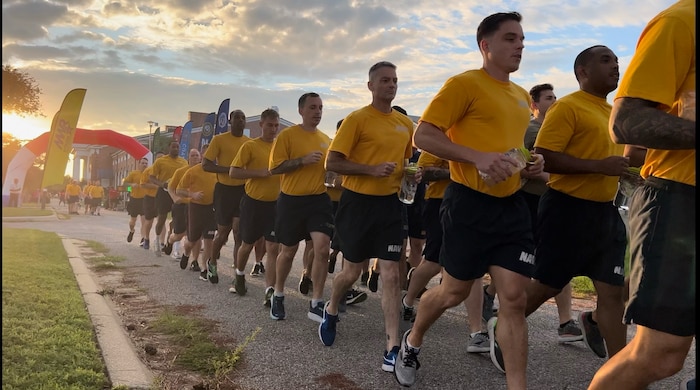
[
  {"x": 369, "y": 136},
  {"x": 222, "y": 150},
  {"x": 662, "y": 70},
  {"x": 197, "y": 179},
  {"x": 295, "y": 142},
  {"x": 482, "y": 113},
  {"x": 255, "y": 154},
  {"x": 577, "y": 125}
]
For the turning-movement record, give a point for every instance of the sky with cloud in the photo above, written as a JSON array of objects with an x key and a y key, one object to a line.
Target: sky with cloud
[{"x": 157, "y": 60}]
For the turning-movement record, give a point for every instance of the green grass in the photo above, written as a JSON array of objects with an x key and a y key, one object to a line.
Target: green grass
[
  {"x": 48, "y": 341},
  {"x": 97, "y": 246},
  {"x": 199, "y": 353},
  {"x": 25, "y": 212}
]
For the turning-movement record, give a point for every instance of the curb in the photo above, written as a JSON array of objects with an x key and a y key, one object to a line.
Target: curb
[{"x": 124, "y": 367}]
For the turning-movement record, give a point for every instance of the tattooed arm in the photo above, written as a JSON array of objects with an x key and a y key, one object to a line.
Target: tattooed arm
[
  {"x": 435, "y": 173},
  {"x": 639, "y": 122}
]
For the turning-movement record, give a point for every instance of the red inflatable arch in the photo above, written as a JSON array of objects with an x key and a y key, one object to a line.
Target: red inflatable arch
[{"x": 25, "y": 156}]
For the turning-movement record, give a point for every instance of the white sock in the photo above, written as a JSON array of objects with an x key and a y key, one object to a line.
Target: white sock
[
  {"x": 315, "y": 302},
  {"x": 279, "y": 294},
  {"x": 239, "y": 272}
]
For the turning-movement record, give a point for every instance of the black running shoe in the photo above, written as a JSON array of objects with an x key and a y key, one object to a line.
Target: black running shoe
[
  {"x": 130, "y": 237},
  {"x": 373, "y": 281},
  {"x": 184, "y": 260},
  {"x": 168, "y": 249},
  {"x": 332, "y": 259},
  {"x": 305, "y": 284}
]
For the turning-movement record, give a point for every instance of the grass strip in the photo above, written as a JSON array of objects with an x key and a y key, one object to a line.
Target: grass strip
[{"x": 48, "y": 340}]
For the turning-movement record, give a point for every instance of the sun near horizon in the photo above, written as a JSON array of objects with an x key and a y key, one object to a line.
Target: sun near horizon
[{"x": 25, "y": 128}]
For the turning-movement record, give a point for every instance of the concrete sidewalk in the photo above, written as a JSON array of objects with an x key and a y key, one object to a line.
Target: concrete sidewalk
[{"x": 124, "y": 366}]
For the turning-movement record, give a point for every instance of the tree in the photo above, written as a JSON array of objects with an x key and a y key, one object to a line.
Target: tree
[{"x": 20, "y": 94}]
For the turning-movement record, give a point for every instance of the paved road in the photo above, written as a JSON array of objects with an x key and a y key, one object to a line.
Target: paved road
[{"x": 288, "y": 354}]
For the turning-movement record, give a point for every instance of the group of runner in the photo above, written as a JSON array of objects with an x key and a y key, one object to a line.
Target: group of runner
[{"x": 485, "y": 212}]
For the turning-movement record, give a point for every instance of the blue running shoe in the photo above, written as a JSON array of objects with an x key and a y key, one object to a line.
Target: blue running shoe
[
  {"x": 326, "y": 329},
  {"x": 390, "y": 359}
]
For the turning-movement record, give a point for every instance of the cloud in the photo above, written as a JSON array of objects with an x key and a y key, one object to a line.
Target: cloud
[{"x": 169, "y": 57}]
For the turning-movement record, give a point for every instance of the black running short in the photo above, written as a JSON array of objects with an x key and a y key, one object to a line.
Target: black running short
[
  {"x": 257, "y": 220},
  {"x": 149, "y": 207},
  {"x": 433, "y": 230},
  {"x": 201, "y": 222},
  {"x": 227, "y": 203},
  {"x": 179, "y": 215},
  {"x": 369, "y": 226},
  {"x": 297, "y": 216},
  {"x": 578, "y": 237},
  {"x": 135, "y": 207},
  {"x": 662, "y": 253},
  {"x": 481, "y": 230}
]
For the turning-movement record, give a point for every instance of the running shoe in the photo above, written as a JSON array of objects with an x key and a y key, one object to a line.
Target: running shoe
[
  {"x": 239, "y": 285},
  {"x": 390, "y": 359},
  {"x": 277, "y": 308},
  {"x": 326, "y": 329},
  {"x": 168, "y": 248},
  {"x": 354, "y": 296},
  {"x": 688, "y": 384},
  {"x": 494, "y": 348},
  {"x": 262, "y": 268},
  {"x": 211, "y": 273},
  {"x": 269, "y": 292},
  {"x": 406, "y": 363},
  {"x": 479, "y": 343},
  {"x": 408, "y": 313},
  {"x": 256, "y": 270},
  {"x": 569, "y": 332},
  {"x": 305, "y": 284},
  {"x": 146, "y": 244},
  {"x": 373, "y": 281},
  {"x": 184, "y": 260},
  {"x": 195, "y": 267},
  {"x": 487, "y": 307},
  {"x": 363, "y": 279},
  {"x": 591, "y": 334},
  {"x": 141, "y": 243},
  {"x": 203, "y": 275},
  {"x": 316, "y": 312},
  {"x": 130, "y": 237},
  {"x": 332, "y": 259}
]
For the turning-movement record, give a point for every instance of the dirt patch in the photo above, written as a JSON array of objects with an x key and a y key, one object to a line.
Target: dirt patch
[{"x": 156, "y": 350}]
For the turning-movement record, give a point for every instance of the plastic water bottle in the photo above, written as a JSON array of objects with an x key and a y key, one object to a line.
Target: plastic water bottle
[
  {"x": 409, "y": 185},
  {"x": 521, "y": 155}
]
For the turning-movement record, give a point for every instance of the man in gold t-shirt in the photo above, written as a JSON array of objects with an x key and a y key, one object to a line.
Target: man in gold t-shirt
[
  {"x": 576, "y": 217},
  {"x": 198, "y": 185},
  {"x": 475, "y": 118},
  {"x": 655, "y": 108},
  {"x": 163, "y": 170},
  {"x": 370, "y": 150},
  {"x": 258, "y": 205},
  {"x": 303, "y": 208},
  {"x": 135, "y": 206},
  {"x": 228, "y": 191}
]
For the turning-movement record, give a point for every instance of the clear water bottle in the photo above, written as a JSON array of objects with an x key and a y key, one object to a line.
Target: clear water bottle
[
  {"x": 409, "y": 185},
  {"x": 521, "y": 155}
]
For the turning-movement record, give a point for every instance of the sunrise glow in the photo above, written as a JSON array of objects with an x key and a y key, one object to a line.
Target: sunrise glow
[{"x": 25, "y": 128}]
